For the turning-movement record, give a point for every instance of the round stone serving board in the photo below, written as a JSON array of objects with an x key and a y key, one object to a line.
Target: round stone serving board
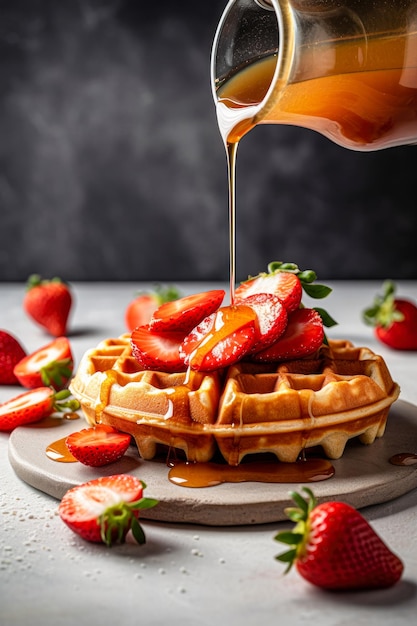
[{"x": 363, "y": 476}]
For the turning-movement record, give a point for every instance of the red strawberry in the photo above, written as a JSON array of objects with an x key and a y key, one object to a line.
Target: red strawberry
[
  {"x": 48, "y": 303},
  {"x": 303, "y": 336},
  {"x": 33, "y": 406},
  {"x": 157, "y": 351},
  {"x": 196, "y": 336},
  {"x": 334, "y": 547},
  {"x": 186, "y": 313},
  {"x": 11, "y": 352},
  {"x": 139, "y": 311},
  {"x": 222, "y": 339},
  {"x": 285, "y": 285},
  {"x": 286, "y": 281},
  {"x": 51, "y": 365},
  {"x": 98, "y": 446},
  {"x": 272, "y": 318},
  {"x": 394, "y": 319},
  {"x": 103, "y": 510}
]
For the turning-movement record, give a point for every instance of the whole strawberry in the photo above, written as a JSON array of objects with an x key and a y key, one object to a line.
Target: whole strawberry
[
  {"x": 11, "y": 352},
  {"x": 394, "y": 319},
  {"x": 334, "y": 547},
  {"x": 48, "y": 303}
]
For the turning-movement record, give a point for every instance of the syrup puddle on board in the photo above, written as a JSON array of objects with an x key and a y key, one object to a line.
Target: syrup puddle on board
[
  {"x": 57, "y": 450},
  {"x": 404, "y": 459},
  {"x": 185, "y": 474}
]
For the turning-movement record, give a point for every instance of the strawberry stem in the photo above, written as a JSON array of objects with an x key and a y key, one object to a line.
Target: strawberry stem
[
  {"x": 56, "y": 373},
  {"x": 383, "y": 311},
  {"x": 35, "y": 280},
  {"x": 118, "y": 519},
  {"x": 61, "y": 404},
  {"x": 163, "y": 294},
  {"x": 307, "y": 279},
  {"x": 297, "y": 537}
]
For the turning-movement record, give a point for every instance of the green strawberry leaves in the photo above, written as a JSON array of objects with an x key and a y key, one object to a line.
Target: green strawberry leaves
[
  {"x": 63, "y": 401},
  {"x": 117, "y": 520},
  {"x": 383, "y": 311},
  {"x": 307, "y": 279},
  {"x": 300, "y": 515},
  {"x": 56, "y": 373}
]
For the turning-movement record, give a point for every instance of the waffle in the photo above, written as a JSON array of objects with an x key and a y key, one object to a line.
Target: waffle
[{"x": 283, "y": 408}]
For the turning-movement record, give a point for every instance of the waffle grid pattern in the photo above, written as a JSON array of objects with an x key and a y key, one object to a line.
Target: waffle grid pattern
[{"x": 341, "y": 393}]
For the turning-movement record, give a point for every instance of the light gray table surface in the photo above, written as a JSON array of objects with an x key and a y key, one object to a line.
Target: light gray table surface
[{"x": 185, "y": 574}]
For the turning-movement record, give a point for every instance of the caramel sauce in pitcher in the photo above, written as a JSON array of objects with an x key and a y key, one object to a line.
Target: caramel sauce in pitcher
[
  {"x": 369, "y": 109},
  {"x": 366, "y": 109}
]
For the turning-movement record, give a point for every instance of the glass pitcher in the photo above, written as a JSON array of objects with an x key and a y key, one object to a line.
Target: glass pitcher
[{"x": 347, "y": 69}]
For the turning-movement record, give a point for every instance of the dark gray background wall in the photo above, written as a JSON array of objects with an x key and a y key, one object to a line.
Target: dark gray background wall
[{"x": 112, "y": 167}]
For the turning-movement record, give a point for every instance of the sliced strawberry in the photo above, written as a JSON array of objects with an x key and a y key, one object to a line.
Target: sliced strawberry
[
  {"x": 221, "y": 340},
  {"x": 103, "y": 510},
  {"x": 51, "y": 365},
  {"x": 34, "y": 405},
  {"x": 26, "y": 408},
  {"x": 186, "y": 313},
  {"x": 286, "y": 285},
  {"x": 157, "y": 351},
  {"x": 11, "y": 352},
  {"x": 196, "y": 336},
  {"x": 98, "y": 446},
  {"x": 139, "y": 311},
  {"x": 303, "y": 336},
  {"x": 272, "y": 318}
]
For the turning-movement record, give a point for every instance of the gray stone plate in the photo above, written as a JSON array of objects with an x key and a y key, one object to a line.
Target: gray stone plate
[{"x": 363, "y": 476}]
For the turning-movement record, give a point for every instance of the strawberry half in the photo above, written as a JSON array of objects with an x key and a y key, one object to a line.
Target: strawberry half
[
  {"x": 288, "y": 282},
  {"x": 11, "y": 352},
  {"x": 139, "y": 311},
  {"x": 303, "y": 336},
  {"x": 394, "y": 319},
  {"x": 334, "y": 547},
  {"x": 98, "y": 446},
  {"x": 103, "y": 510},
  {"x": 34, "y": 405},
  {"x": 285, "y": 285},
  {"x": 222, "y": 339},
  {"x": 51, "y": 365},
  {"x": 186, "y": 313},
  {"x": 48, "y": 303},
  {"x": 157, "y": 351}
]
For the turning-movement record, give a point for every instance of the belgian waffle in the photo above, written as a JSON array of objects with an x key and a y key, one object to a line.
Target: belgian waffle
[{"x": 341, "y": 392}]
